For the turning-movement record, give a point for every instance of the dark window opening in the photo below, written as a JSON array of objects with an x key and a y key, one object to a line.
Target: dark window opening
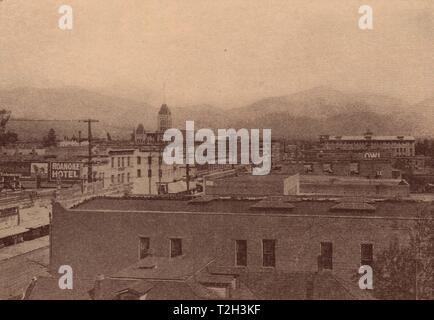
[
  {"x": 175, "y": 247},
  {"x": 241, "y": 253},
  {"x": 144, "y": 247},
  {"x": 269, "y": 253},
  {"x": 366, "y": 254},
  {"x": 326, "y": 258}
]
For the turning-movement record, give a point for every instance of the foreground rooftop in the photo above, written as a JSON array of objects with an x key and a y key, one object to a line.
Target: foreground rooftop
[{"x": 287, "y": 205}]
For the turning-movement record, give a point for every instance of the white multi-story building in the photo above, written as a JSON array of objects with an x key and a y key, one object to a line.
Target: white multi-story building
[
  {"x": 398, "y": 146},
  {"x": 144, "y": 169}
]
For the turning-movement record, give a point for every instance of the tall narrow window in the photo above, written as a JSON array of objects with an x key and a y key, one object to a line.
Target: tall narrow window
[
  {"x": 139, "y": 160},
  {"x": 139, "y": 173},
  {"x": 175, "y": 247},
  {"x": 326, "y": 255},
  {"x": 144, "y": 245},
  {"x": 269, "y": 253},
  {"x": 366, "y": 254},
  {"x": 241, "y": 253}
]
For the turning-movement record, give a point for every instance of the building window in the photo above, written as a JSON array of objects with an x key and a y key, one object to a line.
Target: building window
[
  {"x": 354, "y": 168},
  {"x": 119, "y": 162},
  {"x": 113, "y": 162},
  {"x": 123, "y": 177},
  {"x": 119, "y": 178},
  {"x": 175, "y": 247},
  {"x": 326, "y": 257},
  {"x": 128, "y": 177},
  {"x": 128, "y": 161},
  {"x": 123, "y": 162},
  {"x": 113, "y": 179},
  {"x": 327, "y": 168},
  {"x": 366, "y": 254},
  {"x": 241, "y": 253},
  {"x": 139, "y": 173},
  {"x": 308, "y": 168},
  {"x": 144, "y": 245},
  {"x": 149, "y": 160},
  {"x": 149, "y": 173},
  {"x": 268, "y": 253},
  {"x": 139, "y": 160}
]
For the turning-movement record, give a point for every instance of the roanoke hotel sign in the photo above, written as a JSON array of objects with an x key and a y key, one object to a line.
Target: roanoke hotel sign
[
  {"x": 227, "y": 140},
  {"x": 69, "y": 171}
]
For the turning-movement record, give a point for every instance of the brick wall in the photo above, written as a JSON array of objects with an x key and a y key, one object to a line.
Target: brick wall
[{"x": 105, "y": 242}]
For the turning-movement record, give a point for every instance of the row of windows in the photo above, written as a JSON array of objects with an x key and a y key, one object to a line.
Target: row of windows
[
  {"x": 139, "y": 173},
  {"x": 120, "y": 178},
  {"x": 268, "y": 253},
  {"x": 121, "y": 162},
  {"x": 325, "y": 260},
  {"x": 139, "y": 160},
  {"x": 145, "y": 246}
]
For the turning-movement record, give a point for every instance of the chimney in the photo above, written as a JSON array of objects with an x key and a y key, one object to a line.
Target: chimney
[{"x": 97, "y": 288}]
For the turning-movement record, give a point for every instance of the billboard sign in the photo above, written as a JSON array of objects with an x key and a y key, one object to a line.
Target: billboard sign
[
  {"x": 65, "y": 171},
  {"x": 39, "y": 169}
]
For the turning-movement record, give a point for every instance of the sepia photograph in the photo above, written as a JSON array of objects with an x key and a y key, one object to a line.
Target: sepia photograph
[{"x": 216, "y": 155}]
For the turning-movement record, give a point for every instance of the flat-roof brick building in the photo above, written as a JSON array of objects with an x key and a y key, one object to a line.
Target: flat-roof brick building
[{"x": 266, "y": 237}]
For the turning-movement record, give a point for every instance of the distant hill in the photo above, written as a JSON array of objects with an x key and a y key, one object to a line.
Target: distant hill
[
  {"x": 323, "y": 110},
  {"x": 117, "y": 116},
  {"x": 301, "y": 127},
  {"x": 304, "y": 114},
  {"x": 322, "y": 102},
  {"x": 426, "y": 110}
]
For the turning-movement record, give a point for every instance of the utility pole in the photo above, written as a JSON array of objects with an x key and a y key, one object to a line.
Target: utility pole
[
  {"x": 187, "y": 173},
  {"x": 89, "y": 139}
]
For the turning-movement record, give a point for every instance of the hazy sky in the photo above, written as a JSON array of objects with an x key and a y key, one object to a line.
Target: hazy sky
[{"x": 223, "y": 52}]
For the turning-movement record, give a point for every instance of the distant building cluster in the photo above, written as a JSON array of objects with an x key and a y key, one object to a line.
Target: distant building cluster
[
  {"x": 164, "y": 122},
  {"x": 159, "y": 231},
  {"x": 398, "y": 146}
]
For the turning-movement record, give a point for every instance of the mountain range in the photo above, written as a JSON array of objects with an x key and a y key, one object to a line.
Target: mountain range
[{"x": 304, "y": 114}]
